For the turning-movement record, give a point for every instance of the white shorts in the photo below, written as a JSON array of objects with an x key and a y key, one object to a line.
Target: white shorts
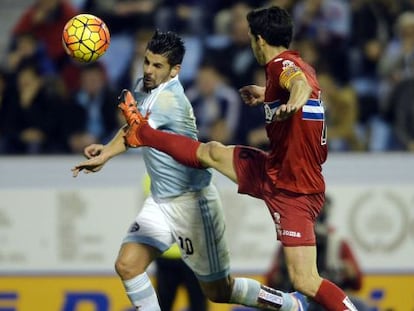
[{"x": 195, "y": 221}]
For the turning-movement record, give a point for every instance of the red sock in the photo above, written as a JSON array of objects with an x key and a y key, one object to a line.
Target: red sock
[
  {"x": 182, "y": 148},
  {"x": 332, "y": 298}
]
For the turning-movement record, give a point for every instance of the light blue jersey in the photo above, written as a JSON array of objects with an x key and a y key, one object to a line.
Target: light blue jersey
[{"x": 171, "y": 111}]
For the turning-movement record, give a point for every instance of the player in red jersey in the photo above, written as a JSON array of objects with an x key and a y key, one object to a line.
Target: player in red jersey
[{"x": 289, "y": 177}]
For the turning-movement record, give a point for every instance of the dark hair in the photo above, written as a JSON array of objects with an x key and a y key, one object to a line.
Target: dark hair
[
  {"x": 168, "y": 44},
  {"x": 29, "y": 64},
  {"x": 273, "y": 24}
]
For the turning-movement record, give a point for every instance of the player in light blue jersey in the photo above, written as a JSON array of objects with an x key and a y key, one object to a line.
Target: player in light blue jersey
[
  {"x": 171, "y": 111},
  {"x": 184, "y": 206}
]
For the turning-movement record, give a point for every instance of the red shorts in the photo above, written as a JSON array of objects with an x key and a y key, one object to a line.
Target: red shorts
[{"x": 294, "y": 214}]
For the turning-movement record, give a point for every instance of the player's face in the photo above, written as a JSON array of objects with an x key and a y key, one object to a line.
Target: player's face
[
  {"x": 157, "y": 70},
  {"x": 257, "y": 51}
]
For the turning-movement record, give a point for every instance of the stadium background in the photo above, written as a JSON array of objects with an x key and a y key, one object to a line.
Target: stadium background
[{"x": 59, "y": 236}]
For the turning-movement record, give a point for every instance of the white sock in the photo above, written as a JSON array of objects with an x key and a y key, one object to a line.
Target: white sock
[
  {"x": 251, "y": 293},
  {"x": 141, "y": 293}
]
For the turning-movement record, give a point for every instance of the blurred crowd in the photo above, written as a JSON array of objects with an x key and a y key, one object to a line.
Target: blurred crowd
[{"x": 362, "y": 50}]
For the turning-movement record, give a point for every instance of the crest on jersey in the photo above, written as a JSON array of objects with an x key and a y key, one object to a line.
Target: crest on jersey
[
  {"x": 134, "y": 227},
  {"x": 287, "y": 63},
  {"x": 270, "y": 110}
]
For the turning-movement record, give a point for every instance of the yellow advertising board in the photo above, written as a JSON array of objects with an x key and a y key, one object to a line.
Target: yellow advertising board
[
  {"x": 105, "y": 293},
  {"x": 389, "y": 292}
]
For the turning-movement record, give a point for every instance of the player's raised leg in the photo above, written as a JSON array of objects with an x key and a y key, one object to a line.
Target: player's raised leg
[
  {"x": 185, "y": 150},
  {"x": 218, "y": 156}
]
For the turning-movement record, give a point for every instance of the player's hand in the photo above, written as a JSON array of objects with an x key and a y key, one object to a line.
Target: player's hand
[
  {"x": 252, "y": 95},
  {"x": 93, "y": 150},
  {"x": 91, "y": 165},
  {"x": 284, "y": 111}
]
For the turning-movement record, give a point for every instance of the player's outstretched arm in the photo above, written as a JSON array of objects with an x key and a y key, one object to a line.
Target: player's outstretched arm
[
  {"x": 300, "y": 90},
  {"x": 252, "y": 95},
  {"x": 98, "y": 154}
]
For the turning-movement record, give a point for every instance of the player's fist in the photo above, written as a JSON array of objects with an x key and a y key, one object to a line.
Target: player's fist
[
  {"x": 252, "y": 95},
  {"x": 93, "y": 150}
]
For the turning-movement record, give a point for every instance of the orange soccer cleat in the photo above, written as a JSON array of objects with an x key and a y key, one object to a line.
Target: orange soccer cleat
[{"x": 133, "y": 117}]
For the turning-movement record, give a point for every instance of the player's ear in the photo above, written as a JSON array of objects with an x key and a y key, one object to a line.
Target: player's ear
[
  {"x": 175, "y": 71},
  {"x": 260, "y": 40}
]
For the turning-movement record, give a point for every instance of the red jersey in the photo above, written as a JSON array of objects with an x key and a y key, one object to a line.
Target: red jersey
[{"x": 298, "y": 144}]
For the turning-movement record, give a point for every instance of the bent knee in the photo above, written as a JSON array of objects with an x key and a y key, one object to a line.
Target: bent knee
[
  {"x": 210, "y": 152},
  {"x": 125, "y": 269},
  {"x": 121, "y": 267}
]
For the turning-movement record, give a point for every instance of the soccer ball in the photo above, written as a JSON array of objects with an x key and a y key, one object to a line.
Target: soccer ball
[{"x": 85, "y": 38}]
